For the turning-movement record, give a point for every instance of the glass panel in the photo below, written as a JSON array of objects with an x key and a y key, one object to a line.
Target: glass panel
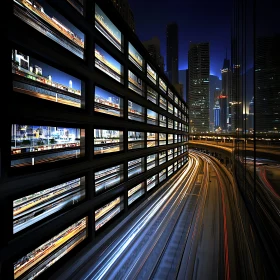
[
  {"x": 152, "y": 117},
  {"x": 151, "y": 74},
  {"x": 107, "y": 64},
  {"x": 162, "y": 85},
  {"x": 152, "y": 161},
  {"x": 136, "y": 140},
  {"x": 175, "y": 111},
  {"x": 169, "y": 154},
  {"x": 135, "y": 112},
  {"x": 152, "y": 95},
  {"x": 136, "y": 192},
  {"x": 135, "y": 83},
  {"x": 107, "y": 141},
  {"x": 152, "y": 182},
  {"x": 29, "y": 77},
  {"x": 135, "y": 57},
  {"x": 107, "y": 212},
  {"x": 32, "y": 208},
  {"x": 162, "y": 120},
  {"x": 170, "y": 94},
  {"x": 162, "y": 102},
  {"x": 162, "y": 175},
  {"x": 162, "y": 157},
  {"x": 34, "y": 144},
  {"x": 170, "y": 169},
  {"x": 170, "y": 108},
  {"x": 41, "y": 16},
  {"x": 152, "y": 139},
  {"x": 170, "y": 138},
  {"x": 136, "y": 167},
  {"x": 108, "y": 29},
  {"x": 108, "y": 178},
  {"x": 170, "y": 123},
  {"x": 107, "y": 103},
  {"x": 41, "y": 258},
  {"x": 162, "y": 139}
]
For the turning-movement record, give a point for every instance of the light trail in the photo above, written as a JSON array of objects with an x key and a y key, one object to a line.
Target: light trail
[{"x": 115, "y": 252}]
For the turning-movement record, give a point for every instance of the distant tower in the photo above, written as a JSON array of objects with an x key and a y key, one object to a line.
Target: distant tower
[
  {"x": 70, "y": 84},
  {"x": 172, "y": 52},
  {"x": 50, "y": 77},
  {"x": 198, "y": 94},
  {"x": 251, "y": 115},
  {"x": 223, "y": 112},
  {"x": 217, "y": 110},
  {"x": 226, "y": 88}
]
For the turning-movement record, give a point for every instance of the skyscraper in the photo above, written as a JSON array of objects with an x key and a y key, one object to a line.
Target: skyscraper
[
  {"x": 153, "y": 47},
  {"x": 172, "y": 52},
  {"x": 214, "y": 92},
  {"x": 217, "y": 110},
  {"x": 198, "y": 94},
  {"x": 235, "y": 102},
  {"x": 223, "y": 112},
  {"x": 267, "y": 79},
  {"x": 226, "y": 87}
]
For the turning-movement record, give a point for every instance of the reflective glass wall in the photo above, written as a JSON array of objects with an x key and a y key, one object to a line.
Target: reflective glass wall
[{"x": 255, "y": 121}]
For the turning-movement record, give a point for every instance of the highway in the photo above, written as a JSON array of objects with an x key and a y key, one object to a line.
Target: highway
[{"x": 194, "y": 227}]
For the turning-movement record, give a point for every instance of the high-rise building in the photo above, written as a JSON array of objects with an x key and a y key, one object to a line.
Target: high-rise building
[
  {"x": 214, "y": 92},
  {"x": 251, "y": 116},
  {"x": 198, "y": 94},
  {"x": 217, "y": 110},
  {"x": 124, "y": 9},
  {"x": 235, "y": 103},
  {"x": 226, "y": 87},
  {"x": 223, "y": 112},
  {"x": 153, "y": 47},
  {"x": 267, "y": 80},
  {"x": 184, "y": 80},
  {"x": 172, "y": 52}
]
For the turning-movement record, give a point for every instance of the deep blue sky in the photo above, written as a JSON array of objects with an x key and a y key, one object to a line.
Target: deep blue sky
[{"x": 198, "y": 21}]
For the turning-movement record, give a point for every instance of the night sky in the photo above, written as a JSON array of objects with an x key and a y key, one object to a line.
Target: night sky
[{"x": 198, "y": 21}]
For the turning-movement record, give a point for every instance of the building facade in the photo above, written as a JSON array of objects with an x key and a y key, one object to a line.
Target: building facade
[
  {"x": 198, "y": 94},
  {"x": 87, "y": 135},
  {"x": 268, "y": 83}
]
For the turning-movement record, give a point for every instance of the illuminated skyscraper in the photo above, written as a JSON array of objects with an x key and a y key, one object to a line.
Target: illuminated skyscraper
[
  {"x": 217, "y": 111},
  {"x": 226, "y": 87},
  {"x": 172, "y": 52},
  {"x": 198, "y": 94},
  {"x": 214, "y": 92}
]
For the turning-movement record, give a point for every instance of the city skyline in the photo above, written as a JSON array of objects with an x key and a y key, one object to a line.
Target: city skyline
[{"x": 193, "y": 26}]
